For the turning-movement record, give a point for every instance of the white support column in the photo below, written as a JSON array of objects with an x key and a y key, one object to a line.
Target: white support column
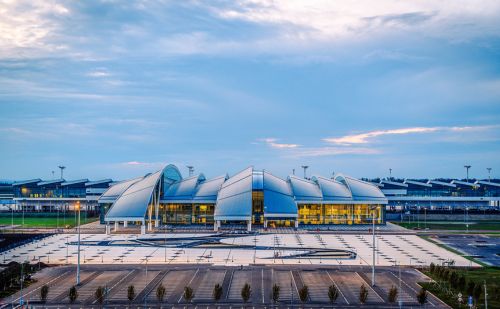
[
  {"x": 297, "y": 223},
  {"x": 117, "y": 224},
  {"x": 143, "y": 228},
  {"x": 125, "y": 223},
  {"x": 108, "y": 228},
  {"x": 150, "y": 218},
  {"x": 216, "y": 226},
  {"x": 265, "y": 223},
  {"x": 249, "y": 226}
]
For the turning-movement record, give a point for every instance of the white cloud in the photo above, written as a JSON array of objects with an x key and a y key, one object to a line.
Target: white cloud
[
  {"x": 272, "y": 142},
  {"x": 99, "y": 73},
  {"x": 364, "y": 138},
  {"x": 333, "y": 151}
]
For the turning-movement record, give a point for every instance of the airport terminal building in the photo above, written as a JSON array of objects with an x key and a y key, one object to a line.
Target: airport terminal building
[{"x": 251, "y": 197}]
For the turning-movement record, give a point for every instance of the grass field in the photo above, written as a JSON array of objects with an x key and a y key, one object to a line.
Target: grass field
[
  {"x": 45, "y": 221},
  {"x": 453, "y": 225},
  {"x": 489, "y": 274}
]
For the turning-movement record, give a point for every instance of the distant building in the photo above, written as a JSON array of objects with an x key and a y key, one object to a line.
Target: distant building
[{"x": 440, "y": 194}]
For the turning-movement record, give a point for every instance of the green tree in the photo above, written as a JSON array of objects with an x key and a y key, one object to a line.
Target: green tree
[
  {"x": 99, "y": 295},
  {"x": 333, "y": 293},
  {"x": 422, "y": 296},
  {"x": 246, "y": 292},
  {"x": 275, "y": 294},
  {"x": 130, "y": 293},
  {"x": 44, "y": 292},
  {"x": 217, "y": 293},
  {"x": 73, "y": 294},
  {"x": 461, "y": 283},
  {"x": 363, "y": 294},
  {"x": 432, "y": 268},
  {"x": 188, "y": 294},
  {"x": 478, "y": 289},
  {"x": 470, "y": 288},
  {"x": 304, "y": 293},
  {"x": 160, "y": 293},
  {"x": 453, "y": 279},
  {"x": 393, "y": 294}
]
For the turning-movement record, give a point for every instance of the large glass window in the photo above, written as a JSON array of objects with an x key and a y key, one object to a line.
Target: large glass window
[
  {"x": 257, "y": 207},
  {"x": 203, "y": 213},
  {"x": 339, "y": 214}
]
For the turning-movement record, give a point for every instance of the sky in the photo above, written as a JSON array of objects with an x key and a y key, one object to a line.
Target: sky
[{"x": 116, "y": 89}]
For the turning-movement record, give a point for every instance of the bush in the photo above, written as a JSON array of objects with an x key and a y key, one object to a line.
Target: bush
[
  {"x": 188, "y": 294},
  {"x": 304, "y": 293},
  {"x": 217, "y": 294},
  {"x": 422, "y": 296},
  {"x": 99, "y": 295},
  {"x": 72, "y": 294},
  {"x": 432, "y": 268},
  {"x": 275, "y": 295},
  {"x": 160, "y": 292},
  {"x": 470, "y": 288},
  {"x": 130, "y": 293},
  {"x": 363, "y": 294},
  {"x": 478, "y": 290},
  {"x": 461, "y": 283},
  {"x": 393, "y": 294},
  {"x": 44, "y": 292},
  {"x": 333, "y": 293},
  {"x": 246, "y": 292}
]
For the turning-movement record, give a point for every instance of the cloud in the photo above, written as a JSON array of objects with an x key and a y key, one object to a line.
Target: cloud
[
  {"x": 364, "y": 138},
  {"x": 333, "y": 151},
  {"x": 99, "y": 73},
  {"x": 272, "y": 142}
]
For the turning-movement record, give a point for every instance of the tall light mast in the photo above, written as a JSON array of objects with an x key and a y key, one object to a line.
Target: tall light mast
[
  {"x": 62, "y": 167},
  {"x": 305, "y": 167},
  {"x": 467, "y": 167},
  {"x": 190, "y": 169},
  {"x": 489, "y": 173}
]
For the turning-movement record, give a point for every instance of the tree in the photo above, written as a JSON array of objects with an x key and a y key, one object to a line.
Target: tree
[
  {"x": 246, "y": 292},
  {"x": 478, "y": 289},
  {"x": 453, "y": 280},
  {"x": 393, "y": 294},
  {"x": 160, "y": 293},
  {"x": 188, "y": 294},
  {"x": 470, "y": 288},
  {"x": 304, "y": 293},
  {"x": 333, "y": 293},
  {"x": 217, "y": 293},
  {"x": 44, "y": 292},
  {"x": 130, "y": 293},
  {"x": 363, "y": 294},
  {"x": 422, "y": 296},
  {"x": 275, "y": 295},
  {"x": 461, "y": 283},
  {"x": 432, "y": 268},
  {"x": 73, "y": 294},
  {"x": 99, "y": 295}
]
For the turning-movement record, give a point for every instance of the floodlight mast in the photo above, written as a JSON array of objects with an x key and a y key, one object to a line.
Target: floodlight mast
[
  {"x": 467, "y": 167},
  {"x": 61, "y": 167},
  {"x": 489, "y": 173},
  {"x": 305, "y": 167},
  {"x": 190, "y": 169}
]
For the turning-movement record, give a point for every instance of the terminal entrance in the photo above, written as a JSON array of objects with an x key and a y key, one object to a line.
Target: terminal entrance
[{"x": 258, "y": 207}]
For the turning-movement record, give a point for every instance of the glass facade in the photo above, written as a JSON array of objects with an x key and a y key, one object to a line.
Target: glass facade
[
  {"x": 187, "y": 213},
  {"x": 257, "y": 207},
  {"x": 340, "y": 214}
]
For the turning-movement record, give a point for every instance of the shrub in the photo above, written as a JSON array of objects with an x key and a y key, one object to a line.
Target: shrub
[
  {"x": 246, "y": 292},
  {"x": 217, "y": 294},
  {"x": 44, "y": 292},
  {"x": 333, "y": 293},
  {"x": 363, "y": 294},
  {"x": 73, "y": 294},
  {"x": 99, "y": 295},
  {"x": 275, "y": 294},
  {"x": 422, "y": 296},
  {"x": 393, "y": 294},
  {"x": 188, "y": 294},
  {"x": 160, "y": 292},
  {"x": 304, "y": 293},
  {"x": 130, "y": 293}
]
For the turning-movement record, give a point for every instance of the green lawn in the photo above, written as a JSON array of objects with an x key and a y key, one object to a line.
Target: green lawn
[
  {"x": 453, "y": 225},
  {"x": 45, "y": 221},
  {"x": 478, "y": 275}
]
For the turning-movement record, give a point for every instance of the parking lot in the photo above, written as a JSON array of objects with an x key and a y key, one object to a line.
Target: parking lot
[
  {"x": 481, "y": 247},
  {"x": 202, "y": 278}
]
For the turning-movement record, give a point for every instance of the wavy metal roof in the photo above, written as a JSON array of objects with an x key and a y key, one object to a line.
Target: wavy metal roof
[
  {"x": 362, "y": 190},
  {"x": 133, "y": 202},
  {"x": 305, "y": 190},
  {"x": 234, "y": 201},
  {"x": 207, "y": 190},
  {"x": 278, "y": 197},
  {"x": 111, "y": 194},
  {"x": 183, "y": 190},
  {"x": 332, "y": 190}
]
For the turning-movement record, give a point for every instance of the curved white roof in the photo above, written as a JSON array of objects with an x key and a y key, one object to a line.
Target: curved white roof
[
  {"x": 234, "y": 201},
  {"x": 305, "y": 190},
  {"x": 278, "y": 198},
  {"x": 113, "y": 192},
  {"x": 361, "y": 190},
  {"x": 332, "y": 190},
  {"x": 184, "y": 189},
  {"x": 208, "y": 189}
]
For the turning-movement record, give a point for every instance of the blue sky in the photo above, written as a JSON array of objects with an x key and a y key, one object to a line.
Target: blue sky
[{"x": 119, "y": 88}]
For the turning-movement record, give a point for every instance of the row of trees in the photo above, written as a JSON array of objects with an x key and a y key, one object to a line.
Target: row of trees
[
  {"x": 452, "y": 281},
  {"x": 246, "y": 294}
]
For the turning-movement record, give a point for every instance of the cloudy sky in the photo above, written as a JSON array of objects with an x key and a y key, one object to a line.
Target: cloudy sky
[{"x": 119, "y": 88}]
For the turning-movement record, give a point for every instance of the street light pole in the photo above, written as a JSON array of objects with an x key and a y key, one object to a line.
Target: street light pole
[
  {"x": 467, "y": 167},
  {"x": 373, "y": 208},
  {"x": 78, "y": 264},
  {"x": 489, "y": 173}
]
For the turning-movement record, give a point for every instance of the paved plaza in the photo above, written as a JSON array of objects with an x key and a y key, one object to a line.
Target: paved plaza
[
  {"x": 234, "y": 250},
  {"x": 202, "y": 278}
]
